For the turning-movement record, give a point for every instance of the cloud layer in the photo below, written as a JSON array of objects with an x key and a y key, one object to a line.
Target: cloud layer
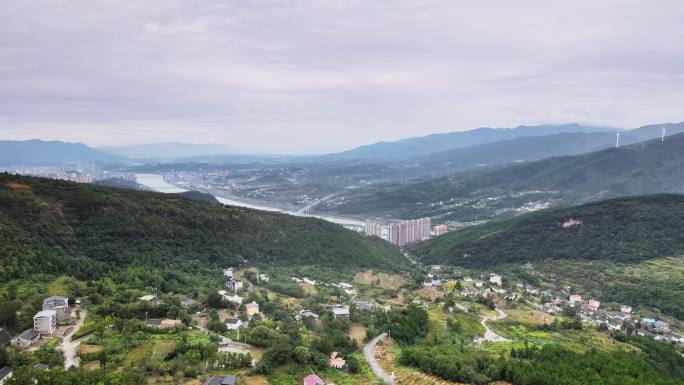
[{"x": 317, "y": 76}]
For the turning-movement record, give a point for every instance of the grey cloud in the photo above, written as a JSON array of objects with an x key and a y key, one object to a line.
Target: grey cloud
[{"x": 314, "y": 76}]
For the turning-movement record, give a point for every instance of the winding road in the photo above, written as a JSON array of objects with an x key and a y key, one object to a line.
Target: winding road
[
  {"x": 368, "y": 353},
  {"x": 489, "y": 335},
  {"x": 69, "y": 346}
]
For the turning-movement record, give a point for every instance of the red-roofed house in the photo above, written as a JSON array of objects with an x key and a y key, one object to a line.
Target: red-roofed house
[{"x": 313, "y": 379}]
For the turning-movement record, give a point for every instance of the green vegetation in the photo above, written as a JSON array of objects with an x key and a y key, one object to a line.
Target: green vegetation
[
  {"x": 623, "y": 230},
  {"x": 57, "y": 227}
]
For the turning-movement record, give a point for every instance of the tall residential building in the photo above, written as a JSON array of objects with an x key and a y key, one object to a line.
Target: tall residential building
[
  {"x": 409, "y": 231},
  {"x": 374, "y": 229}
]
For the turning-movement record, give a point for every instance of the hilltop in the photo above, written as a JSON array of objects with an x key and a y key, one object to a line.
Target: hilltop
[{"x": 58, "y": 227}]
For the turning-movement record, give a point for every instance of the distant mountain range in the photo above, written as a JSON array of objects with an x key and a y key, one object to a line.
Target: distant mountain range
[
  {"x": 166, "y": 151},
  {"x": 37, "y": 152},
  {"x": 640, "y": 168},
  {"x": 418, "y": 146}
]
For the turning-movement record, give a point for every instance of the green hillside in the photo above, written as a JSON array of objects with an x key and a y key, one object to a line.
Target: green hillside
[
  {"x": 623, "y": 230},
  {"x": 57, "y": 227},
  {"x": 625, "y": 250}
]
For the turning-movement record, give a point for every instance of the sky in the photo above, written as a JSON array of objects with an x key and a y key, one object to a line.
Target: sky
[{"x": 314, "y": 76}]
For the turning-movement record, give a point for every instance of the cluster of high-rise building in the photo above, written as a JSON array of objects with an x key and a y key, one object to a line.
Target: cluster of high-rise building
[
  {"x": 405, "y": 232},
  {"x": 410, "y": 231},
  {"x": 80, "y": 173}
]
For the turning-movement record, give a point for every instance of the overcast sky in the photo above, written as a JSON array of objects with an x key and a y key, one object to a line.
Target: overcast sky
[{"x": 317, "y": 76}]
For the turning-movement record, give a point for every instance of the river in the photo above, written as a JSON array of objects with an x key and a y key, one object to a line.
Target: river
[{"x": 157, "y": 183}]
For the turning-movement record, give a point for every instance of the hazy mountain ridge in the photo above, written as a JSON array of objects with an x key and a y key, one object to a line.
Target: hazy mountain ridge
[
  {"x": 423, "y": 145},
  {"x": 38, "y": 153},
  {"x": 640, "y": 168}
]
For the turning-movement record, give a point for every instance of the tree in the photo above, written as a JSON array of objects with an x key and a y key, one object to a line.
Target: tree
[{"x": 302, "y": 354}]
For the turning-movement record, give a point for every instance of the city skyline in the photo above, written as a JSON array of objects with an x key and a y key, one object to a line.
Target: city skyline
[{"x": 302, "y": 77}]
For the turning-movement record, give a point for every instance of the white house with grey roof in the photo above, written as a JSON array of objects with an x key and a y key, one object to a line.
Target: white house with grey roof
[{"x": 59, "y": 304}]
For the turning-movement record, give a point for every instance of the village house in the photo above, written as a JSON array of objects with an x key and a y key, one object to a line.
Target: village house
[
  {"x": 467, "y": 279},
  {"x": 345, "y": 285},
  {"x": 45, "y": 321},
  {"x": 186, "y": 301},
  {"x": 615, "y": 324},
  {"x": 163, "y": 323},
  {"x": 229, "y": 379},
  {"x": 234, "y": 284},
  {"x": 495, "y": 279},
  {"x": 6, "y": 374},
  {"x": 59, "y": 304},
  {"x": 551, "y": 308},
  {"x": 340, "y": 311},
  {"x": 228, "y": 272},
  {"x": 233, "y": 323},
  {"x": 499, "y": 290},
  {"x": 309, "y": 281},
  {"x": 662, "y": 326},
  {"x": 469, "y": 292},
  {"x": 364, "y": 305},
  {"x": 574, "y": 298},
  {"x": 336, "y": 361},
  {"x": 27, "y": 338},
  {"x": 591, "y": 306},
  {"x": 532, "y": 291},
  {"x": 150, "y": 299},
  {"x": 263, "y": 277},
  {"x": 252, "y": 309},
  {"x": 233, "y": 298},
  {"x": 306, "y": 314},
  {"x": 297, "y": 280},
  {"x": 479, "y": 284}
]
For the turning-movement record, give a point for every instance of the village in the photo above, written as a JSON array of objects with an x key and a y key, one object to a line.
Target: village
[
  {"x": 494, "y": 290},
  {"x": 250, "y": 307}
]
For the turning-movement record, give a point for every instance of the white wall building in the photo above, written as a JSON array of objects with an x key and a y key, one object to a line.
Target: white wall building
[{"x": 45, "y": 321}]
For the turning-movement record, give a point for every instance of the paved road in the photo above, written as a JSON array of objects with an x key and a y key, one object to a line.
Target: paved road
[
  {"x": 69, "y": 346},
  {"x": 368, "y": 353},
  {"x": 489, "y": 334}
]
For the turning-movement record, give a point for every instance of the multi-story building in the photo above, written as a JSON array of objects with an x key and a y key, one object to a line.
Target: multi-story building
[
  {"x": 59, "y": 304},
  {"x": 45, "y": 321}
]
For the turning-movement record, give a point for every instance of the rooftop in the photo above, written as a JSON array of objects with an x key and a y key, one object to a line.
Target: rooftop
[
  {"x": 29, "y": 334},
  {"x": 5, "y": 371},
  {"x": 45, "y": 313}
]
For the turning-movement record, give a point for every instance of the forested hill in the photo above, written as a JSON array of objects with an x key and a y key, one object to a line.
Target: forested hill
[
  {"x": 623, "y": 229},
  {"x": 57, "y": 227}
]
